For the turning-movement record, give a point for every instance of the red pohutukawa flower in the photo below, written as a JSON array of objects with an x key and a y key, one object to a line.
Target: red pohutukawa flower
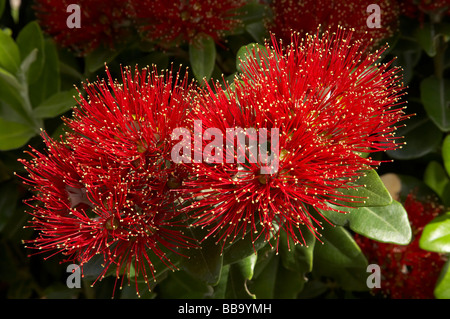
[
  {"x": 101, "y": 23},
  {"x": 108, "y": 189},
  {"x": 419, "y": 9},
  {"x": 305, "y": 16},
  {"x": 317, "y": 103},
  {"x": 175, "y": 22},
  {"x": 408, "y": 272}
]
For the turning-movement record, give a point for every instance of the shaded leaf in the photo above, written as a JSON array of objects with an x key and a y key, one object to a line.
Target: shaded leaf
[
  {"x": 56, "y": 105},
  {"x": 435, "y": 176},
  {"x": 205, "y": 263},
  {"x": 435, "y": 96},
  {"x": 202, "y": 56},
  {"x": 49, "y": 81},
  {"x": 422, "y": 137}
]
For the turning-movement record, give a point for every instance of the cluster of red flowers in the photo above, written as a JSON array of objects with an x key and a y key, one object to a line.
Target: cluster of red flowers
[
  {"x": 102, "y": 23},
  {"x": 106, "y": 189},
  {"x": 175, "y": 22},
  {"x": 421, "y": 8},
  {"x": 167, "y": 23},
  {"x": 307, "y": 15},
  {"x": 408, "y": 272},
  {"x": 112, "y": 188},
  {"x": 327, "y": 103}
]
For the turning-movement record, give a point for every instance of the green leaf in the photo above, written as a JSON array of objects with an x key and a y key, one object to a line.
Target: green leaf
[
  {"x": 298, "y": 258},
  {"x": 387, "y": 224},
  {"x": 425, "y": 35},
  {"x": 242, "y": 248},
  {"x": 14, "y": 135},
  {"x": 30, "y": 38},
  {"x": 422, "y": 137},
  {"x": 435, "y": 96},
  {"x": 408, "y": 53},
  {"x": 11, "y": 93},
  {"x": 97, "y": 59},
  {"x": 338, "y": 249},
  {"x": 263, "y": 286},
  {"x": 250, "y": 51},
  {"x": 435, "y": 176},
  {"x": 49, "y": 81},
  {"x": 340, "y": 258},
  {"x": 288, "y": 283},
  {"x": 257, "y": 30},
  {"x": 180, "y": 285},
  {"x": 436, "y": 235},
  {"x": 202, "y": 56},
  {"x": 56, "y": 105},
  {"x": 442, "y": 289},
  {"x": 205, "y": 263},
  {"x": 9, "y": 53},
  {"x": 446, "y": 154},
  {"x": 238, "y": 276},
  {"x": 368, "y": 190}
]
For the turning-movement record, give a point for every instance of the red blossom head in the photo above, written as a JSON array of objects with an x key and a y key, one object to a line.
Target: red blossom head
[
  {"x": 408, "y": 272},
  {"x": 419, "y": 9},
  {"x": 328, "y": 102},
  {"x": 102, "y": 23},
  {"x": 109, "y": 188},
  {"x": 172, "y": 23},
  {"x": 307, "y": 15}
]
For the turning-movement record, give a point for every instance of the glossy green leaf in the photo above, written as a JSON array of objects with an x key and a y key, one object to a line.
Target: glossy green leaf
[
  {"x": 388, "y": 224},
  {"x": 436, "y": 235},
  {"x": 435, "y": 176},
  {"x": 202, "y": 56},
  {"x": 442, "y": 288},
  {"x": 9, "y": 53},
  {"x": 435, "y": 96},
  {"x": 30, "y": 38},
  {"x": 203, "y": 263},
  {"x": 14, "y": 135},
  {"x": 422, "y": 137},
  {"x": 368, "y": 190},
  {"x": 56, "y": 105}
]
